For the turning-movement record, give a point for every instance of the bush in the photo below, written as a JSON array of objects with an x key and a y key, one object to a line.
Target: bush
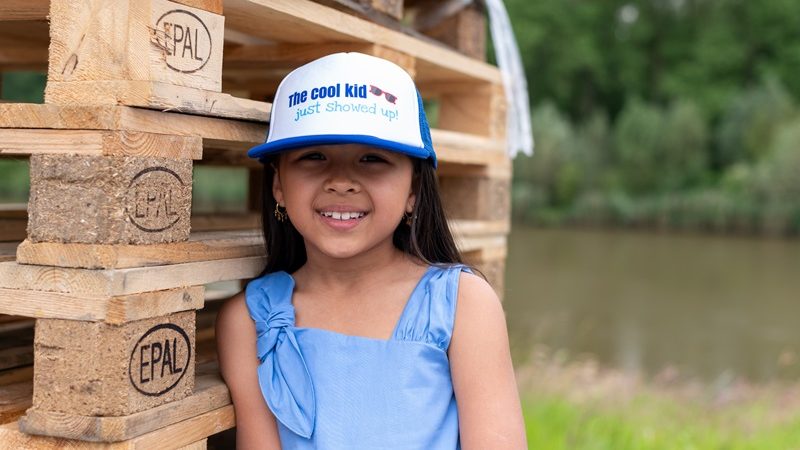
[{"x": 748, "y": 125}]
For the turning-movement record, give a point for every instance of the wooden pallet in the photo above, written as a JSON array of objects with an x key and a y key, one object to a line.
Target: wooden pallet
[{"x": 185, "y": 82}]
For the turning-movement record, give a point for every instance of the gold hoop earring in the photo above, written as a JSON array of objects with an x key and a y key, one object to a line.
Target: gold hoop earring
[
  {"x": 408, "y": 218},
  {"x": 281, "y": 216}
]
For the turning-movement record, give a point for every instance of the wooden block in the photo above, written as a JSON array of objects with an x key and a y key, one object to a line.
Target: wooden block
[
  {"x": 202, "y": 246},
  {"x": 167, "y": 438},
  {"x": 211, "y": 393},
  {"x": 146, "y": 40},
  {"x": 109, "y": 199},
  {"x": 97, "y": 369},
  {"x": 112, "y": 310},
  {"x": 476, "y": 198},
  {"x": 100, "y": 143},
  {"x": 116, "y": 282},
  {"x": 464, "y": 31},
  {"x": 481, "y": 111},
  {"x": 155, "y": 95}
]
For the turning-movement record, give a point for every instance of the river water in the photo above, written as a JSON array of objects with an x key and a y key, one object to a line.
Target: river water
[{"x": 708, "y": 306}]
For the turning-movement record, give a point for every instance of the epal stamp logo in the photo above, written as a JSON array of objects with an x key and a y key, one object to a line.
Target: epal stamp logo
[
  {"x": 153, "y": 195},
  {"x": 185, "y": 40},
  {"x": 160, "y": 359}
]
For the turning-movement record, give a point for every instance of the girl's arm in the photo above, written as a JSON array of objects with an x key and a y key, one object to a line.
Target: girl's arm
[
  {"x": 489, "y": 411},
  {"x": 236, "y": 345}
]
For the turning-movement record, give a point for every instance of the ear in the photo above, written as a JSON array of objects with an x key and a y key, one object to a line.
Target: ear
[
  {"x": 277, "y": 189},
  {"x": 412, "y": 199}
]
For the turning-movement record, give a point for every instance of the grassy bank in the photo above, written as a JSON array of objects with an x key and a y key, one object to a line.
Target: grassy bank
[{"x": 579, "y": 406}]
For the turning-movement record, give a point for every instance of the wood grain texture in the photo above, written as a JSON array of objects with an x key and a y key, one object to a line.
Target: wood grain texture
[
  {"x": 20, "y": 142},
  {"x": 14, "y": 400},
  {"x": 116, "y": 282},
  {"x": 146, "y": 40},
  {"x": 112, "y": 117},
  {"x": 303, "y": 21},
  {"x": 210, "y": 394},
  {"x": 155, "y": 95},
  {"x": 169, "y": 438},
  {"x": 99, "y": 369},
  {"x": 112, "y": 310},
  {"x": 24, "y": 10},
  {"x": 201, "y": 246}
]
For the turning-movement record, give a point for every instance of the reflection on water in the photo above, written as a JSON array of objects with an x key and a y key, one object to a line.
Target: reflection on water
[{"x": 706, "y": 305}]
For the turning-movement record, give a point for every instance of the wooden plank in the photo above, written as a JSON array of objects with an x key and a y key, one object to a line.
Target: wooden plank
[
  {"x": 14, "y": 400},
  {"x": 112, "y": 310},
  {"x": 155, "y": 95},
  {"x": 116, "y": 282},
  {"x": 167, "y": 438},
  {"x": 16, "y": 356},
  {"x": 214, "y": 6},
  {"x": 161, "y": 41},
  {"x": 210, "y": 394},
  {"x": 225, "y": 222},
  {"x": 99, "y": 369},
  {"x": 202, "y": 246},
  {"x": 16, "y": 375},
  {"x": 24, "y": 10},
  {"x": 20, "y": 115},
  {"x": 303, "y": 21},
  {"x": 109, "y": 199},
  {"x": 19, "y": 142}
]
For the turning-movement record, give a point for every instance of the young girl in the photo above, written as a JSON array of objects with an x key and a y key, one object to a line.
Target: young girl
[{"x": 365, "y": 331}]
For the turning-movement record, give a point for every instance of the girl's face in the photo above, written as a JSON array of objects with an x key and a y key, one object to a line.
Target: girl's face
[{"x": 344, "y": 199}]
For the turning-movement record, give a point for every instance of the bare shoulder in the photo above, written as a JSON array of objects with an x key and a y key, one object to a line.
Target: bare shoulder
[
  {"x": 238, "y": 364},
  {"x": 490, "y": 415},
  {"x": 235, "y": 333},
  {"x": 478, "y": 309}
]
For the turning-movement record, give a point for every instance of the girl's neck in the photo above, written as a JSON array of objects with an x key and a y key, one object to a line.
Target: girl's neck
[{"x": 374, "y": 264}]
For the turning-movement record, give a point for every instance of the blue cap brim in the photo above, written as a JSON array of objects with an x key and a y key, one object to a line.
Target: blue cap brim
[{"x": 282, "y": 145}]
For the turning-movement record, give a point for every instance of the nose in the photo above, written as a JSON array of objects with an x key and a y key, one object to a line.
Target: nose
[{"x": 341, "y": 182}]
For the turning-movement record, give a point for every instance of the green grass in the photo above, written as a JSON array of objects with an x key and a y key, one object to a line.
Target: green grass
[{"x": 553, "y": 422}]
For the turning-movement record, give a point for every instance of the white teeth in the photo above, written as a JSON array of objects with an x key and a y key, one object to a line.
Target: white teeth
[{"x": 342, "y": 215}]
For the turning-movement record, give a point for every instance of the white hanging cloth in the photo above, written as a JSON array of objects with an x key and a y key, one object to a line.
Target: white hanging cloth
[{"x": 518, "y": 120}]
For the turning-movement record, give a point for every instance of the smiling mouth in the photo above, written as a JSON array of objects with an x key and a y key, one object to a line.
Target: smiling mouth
[{"x": 337, "y": 215}]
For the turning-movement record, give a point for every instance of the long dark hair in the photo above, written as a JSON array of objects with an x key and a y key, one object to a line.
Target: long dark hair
[{"x": 427, "y": 238}]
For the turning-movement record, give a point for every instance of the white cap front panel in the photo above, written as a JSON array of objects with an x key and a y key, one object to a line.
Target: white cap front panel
[{"x": 347, "y": 94}]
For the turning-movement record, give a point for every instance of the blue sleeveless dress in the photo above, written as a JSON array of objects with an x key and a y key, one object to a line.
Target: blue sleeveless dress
[{"x": 329, "y": 390}]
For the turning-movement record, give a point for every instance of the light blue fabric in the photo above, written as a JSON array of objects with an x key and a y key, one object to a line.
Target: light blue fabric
[{"x": 329, "y": 390}]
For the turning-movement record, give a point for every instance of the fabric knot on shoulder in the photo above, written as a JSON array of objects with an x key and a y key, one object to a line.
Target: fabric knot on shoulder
[{"x": 282, "y": 374}]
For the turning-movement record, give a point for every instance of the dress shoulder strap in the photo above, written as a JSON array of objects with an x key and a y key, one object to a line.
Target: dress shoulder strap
[
  {"x": 283, "y": 375},
  {"x": 429, "y": 314}
]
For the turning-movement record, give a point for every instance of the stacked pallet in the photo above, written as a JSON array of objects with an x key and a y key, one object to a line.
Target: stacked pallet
[{"x": 114, "y": 263}]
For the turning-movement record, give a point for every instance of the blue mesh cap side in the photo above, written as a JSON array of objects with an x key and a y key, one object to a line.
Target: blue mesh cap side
[{"x": 425, "y": 132}]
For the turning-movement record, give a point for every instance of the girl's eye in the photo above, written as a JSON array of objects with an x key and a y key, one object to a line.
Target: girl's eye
[
  {"x": 373, "y": 158},
  {"x": 313, "y": 156}
]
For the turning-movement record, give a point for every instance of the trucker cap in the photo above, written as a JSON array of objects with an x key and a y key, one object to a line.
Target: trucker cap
[{"x": 348, "y": 98}]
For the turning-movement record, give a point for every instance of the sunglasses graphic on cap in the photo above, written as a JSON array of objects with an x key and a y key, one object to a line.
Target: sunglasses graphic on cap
[{"x": 378, "y": 91}]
